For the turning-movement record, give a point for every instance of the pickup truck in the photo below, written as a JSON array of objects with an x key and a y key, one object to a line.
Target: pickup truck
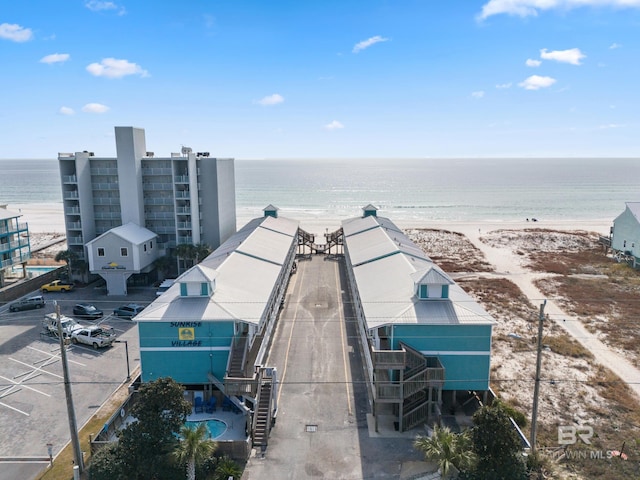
[
  {"x": 69, "y": 325},
  {"x": 94, "y": 336},
  {"x": 57, "y": 286}
]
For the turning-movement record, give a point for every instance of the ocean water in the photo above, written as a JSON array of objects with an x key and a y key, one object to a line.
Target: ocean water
[{"x": 405, "y": 190}]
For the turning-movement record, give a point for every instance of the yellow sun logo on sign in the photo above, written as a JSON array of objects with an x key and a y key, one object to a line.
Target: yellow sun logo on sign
[{"x": 186, "y": 333}]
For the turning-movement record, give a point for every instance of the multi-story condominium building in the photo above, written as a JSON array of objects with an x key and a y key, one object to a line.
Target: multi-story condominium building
[
  {"x": 186, "y": 198},
  {"x": 14, "y": 242}
]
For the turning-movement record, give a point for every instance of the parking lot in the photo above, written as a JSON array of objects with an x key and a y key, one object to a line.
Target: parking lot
[{"x": 33, "y": 411}]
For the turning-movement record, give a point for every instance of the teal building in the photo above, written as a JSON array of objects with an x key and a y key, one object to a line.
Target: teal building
[
  {"x": 423, "y": 336},
  {"x": 210, "y": 330},
  {"x": 15, "y": 248}
]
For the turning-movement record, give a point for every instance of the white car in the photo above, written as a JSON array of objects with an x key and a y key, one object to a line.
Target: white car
[{"x": 93, "y": 336}]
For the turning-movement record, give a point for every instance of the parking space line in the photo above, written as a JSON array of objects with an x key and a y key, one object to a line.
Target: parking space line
[
  {"x": 23, "y": 385},
  {"x": 38, "y": 368},
  {"x": 13, "y": 408},
  {"x": 9, "y": 392},
  {"x": 56, "y": 356}
]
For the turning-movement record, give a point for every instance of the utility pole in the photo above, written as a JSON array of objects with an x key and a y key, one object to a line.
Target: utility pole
[
  {"x": 536, "y": 389},
  {"x": 73, "y": 427}
]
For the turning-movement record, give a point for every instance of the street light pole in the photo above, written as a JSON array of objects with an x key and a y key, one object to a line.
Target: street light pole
[{"x": 126, "y": 350}]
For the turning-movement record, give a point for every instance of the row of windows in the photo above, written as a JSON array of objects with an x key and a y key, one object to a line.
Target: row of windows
[{"x": 124, "y": 251}]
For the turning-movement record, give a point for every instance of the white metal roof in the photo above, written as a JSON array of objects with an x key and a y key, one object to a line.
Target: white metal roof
[
  {"x": 130, "y": 232},
  {"x": 385, "y": 263},
  {"x": 248, "y": 266},
  {"x": 634, "y": 208}
]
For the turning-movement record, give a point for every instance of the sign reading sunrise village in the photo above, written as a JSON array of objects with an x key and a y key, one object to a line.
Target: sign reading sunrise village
[{"x": 186, "y": 334}]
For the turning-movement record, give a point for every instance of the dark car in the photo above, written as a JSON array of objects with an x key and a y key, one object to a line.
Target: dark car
[
  {"x": 86, "y": 310},
  {"x": 30, "y": 303},
  {"x": 129, "y": 311}
]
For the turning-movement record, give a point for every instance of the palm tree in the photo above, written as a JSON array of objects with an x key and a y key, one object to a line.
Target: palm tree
[
  {"x": 68, "y": 256},
  {"x": 194, "y": 448},
  {"x": 450, "y": 450},
  {"x": 227, "y": 468}
]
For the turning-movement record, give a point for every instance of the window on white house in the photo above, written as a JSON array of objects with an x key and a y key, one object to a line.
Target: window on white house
[
  {"x": 124, "y": 252},
  {"x": 100, "y": 251}
]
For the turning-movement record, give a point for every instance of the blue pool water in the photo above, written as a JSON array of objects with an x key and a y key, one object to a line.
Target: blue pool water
[{"x": 215, "y": 427}]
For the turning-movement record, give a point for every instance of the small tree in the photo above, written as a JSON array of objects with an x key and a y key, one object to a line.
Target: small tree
[
  {"x": 451, "y": 451},
  {"x": 144, "y": 445},
  {"x": 68, "y": 256},
  {"x": 227, "y": 468},
  {"x": 497, "y": 445},
  {"x": 194, "y": 448}
]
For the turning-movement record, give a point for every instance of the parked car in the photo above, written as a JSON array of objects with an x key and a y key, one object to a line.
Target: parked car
[
  {"x": 57, "y": 286},
  {"x": 129, "y": 311},
  {"x": 30, "y": 303},
  {"x": 86, "y": 310},
  {"x": 164, "y": 286},
  {"x": 69, "y": 325},
  {"x": 94, "y": 336}
]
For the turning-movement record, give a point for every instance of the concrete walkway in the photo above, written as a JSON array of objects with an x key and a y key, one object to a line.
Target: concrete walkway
[{"x": 507, "y": 265}]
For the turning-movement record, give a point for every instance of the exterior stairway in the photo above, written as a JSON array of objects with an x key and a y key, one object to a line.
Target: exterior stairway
[
  {"x": 236, "y": 365},
  {"x": 263, "y": 416}
]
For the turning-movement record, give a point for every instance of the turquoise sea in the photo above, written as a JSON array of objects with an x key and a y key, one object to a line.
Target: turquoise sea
[{"x": 404, "y": 190}]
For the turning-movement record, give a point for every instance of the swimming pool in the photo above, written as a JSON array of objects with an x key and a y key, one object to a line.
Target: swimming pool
[{"x": 214, "y": 426}]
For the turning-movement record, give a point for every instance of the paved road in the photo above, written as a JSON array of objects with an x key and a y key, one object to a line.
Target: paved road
[{"x": 321, "y": 429}]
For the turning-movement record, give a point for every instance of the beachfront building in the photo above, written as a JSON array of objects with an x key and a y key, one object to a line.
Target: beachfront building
[
  {"x": 210, "y": 331},
  {"x": 15, "y": 248},
  {"x": 625, "y": 233},
  {"x": 186, "y": 198},
  {"x": 121, "y": 252},
  {"x": 423, "y": 337}
]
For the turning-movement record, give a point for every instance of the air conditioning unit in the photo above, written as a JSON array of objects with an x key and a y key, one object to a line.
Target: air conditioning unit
[{"x": 150, "y": 154}]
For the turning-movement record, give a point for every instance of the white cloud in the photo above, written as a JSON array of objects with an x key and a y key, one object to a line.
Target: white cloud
[
  {"x": 532, "y": 63},
  {"x": 103, "y": 6},
  {"x": 334, "y": 125},
  {"x": 536, "y": 82},
  {"x": 572, "y": 55},
  {"x": 66, "y": 111},
  {"x": 55, "y": 58},
  {"x": 368, "y": 42},
  {"x": 115, "y": 68},
  {"x": 525, "y": 8},
  {"x": 95, "y": 108},
  {"x": 614, "y": 45},
  {"x": 610, "y": 125},
  {"x": 478, "y": 94},
  {"x": 15, "y": 32},
  {"x": 504, "y": 85},
  {"x": 270, "y": 100}
]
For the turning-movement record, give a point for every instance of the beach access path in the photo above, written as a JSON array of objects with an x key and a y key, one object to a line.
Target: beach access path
[{"x": 507, "y": 265}]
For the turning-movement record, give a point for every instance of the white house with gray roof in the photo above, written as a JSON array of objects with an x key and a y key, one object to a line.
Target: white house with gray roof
[{"x": 119, "y": 253}]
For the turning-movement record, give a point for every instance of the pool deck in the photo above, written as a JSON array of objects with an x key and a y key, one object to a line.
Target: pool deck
[{"x": 236, "y": 424}]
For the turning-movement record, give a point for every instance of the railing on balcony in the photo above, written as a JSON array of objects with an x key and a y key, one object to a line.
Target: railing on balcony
[
  {"x": 163, "y": 187},
  {"x": 106, "y": 201},
  {"x": 157, "y": 171},
  {"x": 71, "y": 195},
  {"x": 181, "y": 179},
  {"x": 104, "y": 171},
  {"x": 183, "y": 194},
  {"x": 69, "y": 179},
  {"x": 158, "y": 201},
  {"x": 391, "y": 359},
  {"x": 14, "y": 260},
  {"x": 184, "y": 225},
  {"x": 159, "y": 215},
  {"x": 184, "y": 240},
  {"x": 75, "y": 240},
  {"x": 105, "y": 186},
  {"x": 74, "y": 226},
  {"x": 183, "y": 210},
  {"x": 72, "y": 211},
  {"x": 107, "y": 215}
]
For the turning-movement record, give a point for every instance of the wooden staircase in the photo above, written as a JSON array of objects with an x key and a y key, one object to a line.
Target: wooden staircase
[
  {"x": 236, "y": 365},
  {"x": 262, "y": 420}
]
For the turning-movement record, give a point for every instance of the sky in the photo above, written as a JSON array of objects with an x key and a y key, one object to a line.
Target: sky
[{"x": 252, "y": 79}]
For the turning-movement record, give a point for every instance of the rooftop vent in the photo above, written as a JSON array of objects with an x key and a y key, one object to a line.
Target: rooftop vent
[
  {"x": 186, "y": 150},
  {"x": 150, "y": 154}
]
